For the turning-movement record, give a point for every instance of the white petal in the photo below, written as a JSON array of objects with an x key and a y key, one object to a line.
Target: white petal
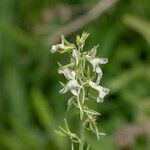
[
  {"x": 56, "y": 48},
  {"x": 98, "y": 70},
  {"x": 74, "y": 91},
  {"x": 102, "y": 93},
  {"x": 64, "y": 90},
  {"x": 95, "y": 63},
  {"x": 91, "y": 54},
  {"x": 99, "y": 76},
  {"x": 93, "y": 85},
  {"x": 69, "y": 74},
  {"x": 103, "y": 60},
  {"x": 73, "y": 86},
  {"x": 101, "y": 90},
  {"x": 99, "y": 99}
]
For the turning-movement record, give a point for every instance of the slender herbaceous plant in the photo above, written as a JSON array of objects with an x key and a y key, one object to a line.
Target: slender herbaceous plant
[{"x": 83, "y": 76}]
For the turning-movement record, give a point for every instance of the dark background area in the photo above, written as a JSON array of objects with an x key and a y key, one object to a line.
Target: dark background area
[{"x": 30, "y": 104}]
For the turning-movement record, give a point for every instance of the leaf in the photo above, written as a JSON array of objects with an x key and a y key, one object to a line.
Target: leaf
[
  {"x": 66, "y": 125},
  {"x": 42, "y": 108},
  {"x": 70, "y": 102},
  {"x": 62, "y": 84},
  {"x": 63, "y": 130},
  {"x": 84, "y": 36},
  {"x": 66, "y": 50},
  {"x": 88, "y": 147},
  {"x": 67, "y": 43},
  {"x": 90, "y": 111},
  {"x": 139, "y": 25},
  {"x": 15, "y": 87},
  {"x": 59, "y": 64},
  {"x": 59, "y": 133}
]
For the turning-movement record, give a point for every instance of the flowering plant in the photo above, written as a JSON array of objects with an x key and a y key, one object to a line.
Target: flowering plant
[{"x": 83, "y": 73}]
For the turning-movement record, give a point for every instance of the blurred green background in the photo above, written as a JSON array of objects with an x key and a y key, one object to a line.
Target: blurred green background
[{"x": 30, "y": 104}]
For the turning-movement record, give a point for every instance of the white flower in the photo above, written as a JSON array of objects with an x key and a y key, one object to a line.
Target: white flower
[
  {"x": 96, "y": 62},
  {"x": 101, "y": 90},
  {"x": 58, "y": 47},
  {"x": 69, "y": 74},
  {"x": 73, "y": 86},
  {"x": 91, "y": 54},
  {"x": 61, "y": 47}
]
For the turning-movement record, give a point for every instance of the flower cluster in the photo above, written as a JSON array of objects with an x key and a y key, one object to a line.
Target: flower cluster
[{"x": 83, "y": 74}]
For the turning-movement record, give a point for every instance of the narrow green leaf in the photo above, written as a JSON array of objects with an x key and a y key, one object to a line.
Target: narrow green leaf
[
  {"x": 59, "y": 133},
  {"x": 70, "y": 102},
  {"x": 62, "y": 84},
  {"x": 66, "y": 125},
  {"x": 63, "y": 130},
  {"x": 90, "y": 111},
  {"x": 88, "y": 147},
  {"x": 140, "y": 25},
  {"x": 59, "y": 64}
]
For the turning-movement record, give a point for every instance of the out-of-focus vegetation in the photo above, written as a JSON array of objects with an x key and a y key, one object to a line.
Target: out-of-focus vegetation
[{"x": 30, "y": 105}]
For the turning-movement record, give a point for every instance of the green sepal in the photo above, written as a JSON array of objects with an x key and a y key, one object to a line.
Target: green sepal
[
  {"x": 62, "y": 84},
  {"x": 70, "y": 104},
  {"x": 66, "y": 50},
  {"x": 59, "y": 64},
  {"x": 92, "y": 112}
]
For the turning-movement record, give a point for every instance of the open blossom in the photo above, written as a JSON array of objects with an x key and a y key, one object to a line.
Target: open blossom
[
  {"x": 91, "y": 54},
  {"x": 61, "y": 47},
  {"x": 69, "y": 74},
  {"x": 101, "y": 90},
  {"x": 96, "y": 62},
  {"x": 73, "y": 86}
]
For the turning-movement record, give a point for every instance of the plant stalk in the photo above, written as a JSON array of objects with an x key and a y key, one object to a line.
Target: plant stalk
[
  {"x": 81, "y": 144},
  {"x": 72, "y": 145}
]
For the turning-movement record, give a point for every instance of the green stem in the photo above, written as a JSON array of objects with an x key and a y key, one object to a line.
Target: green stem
[
  {"x": 81, "y": 145},
  {"x": 72, "y": 145}
]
